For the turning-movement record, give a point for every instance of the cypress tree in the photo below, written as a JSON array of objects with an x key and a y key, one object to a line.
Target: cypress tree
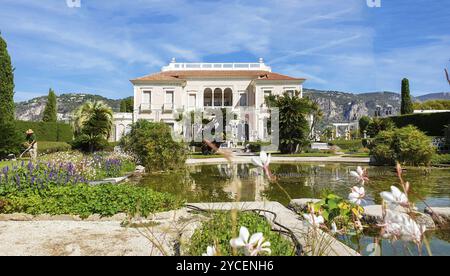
[
  {"x": 123, "y": 106},
  {"x": 6, "y": 84},
  {"x": 50, "y": 112},
  {"x": 407, "y": 105}
]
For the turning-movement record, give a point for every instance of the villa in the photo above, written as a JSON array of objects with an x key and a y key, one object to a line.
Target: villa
[{"x": 184, "y": 87}]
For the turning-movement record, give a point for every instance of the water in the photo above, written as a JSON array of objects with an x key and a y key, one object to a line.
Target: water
[{"x": 221, "y": 183}]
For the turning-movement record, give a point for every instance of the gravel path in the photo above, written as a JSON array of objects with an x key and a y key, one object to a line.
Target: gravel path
[{"x": 95, "y": 238}]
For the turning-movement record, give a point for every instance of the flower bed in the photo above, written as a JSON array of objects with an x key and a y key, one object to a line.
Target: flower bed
[
  {"x": 216, "y": 237},
  {"x": 92, "y": 167},
  {"x": 84, "y": 200},
  {"x": 58, "y": 184}
]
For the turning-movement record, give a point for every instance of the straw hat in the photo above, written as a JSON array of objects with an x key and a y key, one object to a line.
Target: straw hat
[{"x": 30, "y": 131}]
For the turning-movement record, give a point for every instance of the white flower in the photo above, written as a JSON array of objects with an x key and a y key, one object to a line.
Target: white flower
[
  {"x": 261, "y": 247},
  {"x": 252, "y": 245},
  {"x": 395, "y": 197},
  {"x": 401, "y": 226},
  {"x": 334, "y": 229},
  {"x": 263, "y": 160},
  {"x": 357, "y": 195},
  {"x": 211, "y": 251},
  {"x": 360, "y": 175},
  {"x": 313, "y": 220}
]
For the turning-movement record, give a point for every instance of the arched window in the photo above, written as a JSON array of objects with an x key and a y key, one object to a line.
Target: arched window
[
  {"x": 218, "y": 97},
  {"x": 208, "y": 97},
  {"x": 228, "y": 97}
]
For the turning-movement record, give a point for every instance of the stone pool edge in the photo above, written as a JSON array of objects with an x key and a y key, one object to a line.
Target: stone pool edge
[{"x": 248, "y": 159}]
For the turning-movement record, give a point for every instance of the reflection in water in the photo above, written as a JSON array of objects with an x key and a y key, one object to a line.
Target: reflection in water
[
  {"x": 214, "y": 183},
  {"x": 226, "y": 182}
]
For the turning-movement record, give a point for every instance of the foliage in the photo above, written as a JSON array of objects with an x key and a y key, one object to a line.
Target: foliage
[
  {"x": 335, "y": 209},
  {"x": 407, "y": 145},
  {"x": 46, "y": 131},
  {"x": 257, "y": 146},
  {"x": 364, "y": 124},
  {"x": 92, "y": 167},
  {"x": 377, "y": 125},
  {"x": 84, "y": 200},
  {"x": 406, "y": 106},
  {"x": 219, "y": 231},
  {"x": 50, "y": 111},
  {"x": 294, "y": 127},
  {"x": 347, "y": 144},
  {"x": 127, "y": 105},
  {"x": 92, "y": 125},
  {"x": 10, "y": 139},
  {"x": 440, "y": 159},
  {"x": 433, "y": 105},
  {"x": 432, "y": 124},
  {"x": 153, "y": 146},
  {"x": 6, "y": 84},
  {"x": 51, "y": 147}
]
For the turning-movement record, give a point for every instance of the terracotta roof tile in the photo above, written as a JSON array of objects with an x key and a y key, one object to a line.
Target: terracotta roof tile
[{"x": 183, "y": 75}]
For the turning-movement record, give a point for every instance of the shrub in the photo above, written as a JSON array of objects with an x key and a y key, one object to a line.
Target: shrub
[
  {"x": 219, "y": 231},
  {"x": 52, "y": 147},
  {"x": 432, "y": 124},
  {"x": 347, "y": 144},
  {"x": 10, "y": 139},
  {"x": 407, "y": 145},
  {"x": 153, "y": 146},
  {"x": 84, "y": 200},
  {"x": 377, "y": 125},
  {"x": 86, "y": 143},
  {"x": 440, "y": 159},
  {"x": 47, "y": 131},
  {"x": 257, "y": 146}
]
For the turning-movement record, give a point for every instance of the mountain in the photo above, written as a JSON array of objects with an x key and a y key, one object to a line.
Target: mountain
[
  {"x": 336, "y": 106},
  {"x": 33, "y": 109},
  {"x": 341, "y": 107},
  {"x": 435, "y": 96}
]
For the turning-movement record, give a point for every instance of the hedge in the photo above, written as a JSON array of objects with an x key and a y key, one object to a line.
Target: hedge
[
  {"x": 52, "y": 147},
  {"x": 45, "y": 131},
  {"x": 432, "y": 124},
  {"x": 347, "y": 144}
]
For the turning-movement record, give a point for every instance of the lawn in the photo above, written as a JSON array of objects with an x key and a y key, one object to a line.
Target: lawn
[
  {"x": 310, "y": 154},
  {"x": 201, "y": 156}
]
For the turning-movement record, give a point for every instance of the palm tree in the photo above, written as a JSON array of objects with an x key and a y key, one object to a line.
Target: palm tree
[
  {"x": 93, "y": 122},
  {"x": 294, "y": 127}
]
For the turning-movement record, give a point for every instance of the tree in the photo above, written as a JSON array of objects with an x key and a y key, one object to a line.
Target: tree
[
  {"x": 363, "y": 124},
  {"x": 50, "y": 112},
  {"x": 10, "y": 139},
  {"x": 127, "y": 105},
  {"x": 407, "y": 105},
  {"x": 6, "y": 84},
  {"x": 377, "y": 125},
  {"x": 92, "y": 125},
  {"x": 152, "y": 144},
  {"x": 293, "y": 122}
]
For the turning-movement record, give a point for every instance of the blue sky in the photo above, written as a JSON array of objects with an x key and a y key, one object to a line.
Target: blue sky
[{"x": 336, "y": 45}]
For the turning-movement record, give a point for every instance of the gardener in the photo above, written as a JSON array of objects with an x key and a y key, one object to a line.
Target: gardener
[{"x": 31, "y": 144}]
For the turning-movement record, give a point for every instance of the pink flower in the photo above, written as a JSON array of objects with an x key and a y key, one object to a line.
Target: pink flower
[{"x": 360, "y": 175}]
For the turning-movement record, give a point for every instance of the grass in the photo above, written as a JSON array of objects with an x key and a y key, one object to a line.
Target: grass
[
  {"x": 311, "y": 154},
  {"x": 357, "y": 155},
  {"x": 222, "y": 227},
  {"x": 201, "y": 156}
]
